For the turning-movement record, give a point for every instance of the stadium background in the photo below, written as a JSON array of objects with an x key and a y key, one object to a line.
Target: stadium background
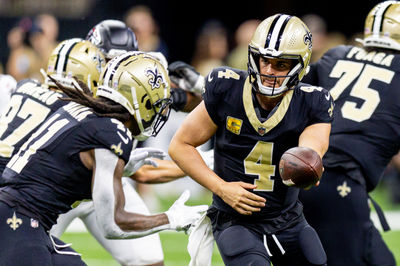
[{"x": 178, "y": 20}]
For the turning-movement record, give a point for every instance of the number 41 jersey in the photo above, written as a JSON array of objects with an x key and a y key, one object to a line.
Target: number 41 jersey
[
  {"x": 47, "y": 176},
  {"x": 366, "y": 89},
  {"x": 247, "y": 147}
]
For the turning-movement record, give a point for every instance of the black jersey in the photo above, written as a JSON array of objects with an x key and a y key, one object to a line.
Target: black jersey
[
  {"x": 366, "y": 90},
  {"x": 47, "y": 176},
  {"x": 29, "y": 106},
  {"x": 247, "y": 149}
]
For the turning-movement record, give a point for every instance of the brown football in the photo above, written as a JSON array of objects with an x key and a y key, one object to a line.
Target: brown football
[{"x": 300, "y": 167}]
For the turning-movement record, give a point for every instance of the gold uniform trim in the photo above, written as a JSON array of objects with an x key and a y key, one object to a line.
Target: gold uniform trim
[{"x": 270, "y": 123}]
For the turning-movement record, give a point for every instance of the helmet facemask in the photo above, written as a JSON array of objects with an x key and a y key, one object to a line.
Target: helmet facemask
[
  {"x": 290, "y": 79},
  {"x": 140, "y": 83},
  {"x": 160, "y": 111}
]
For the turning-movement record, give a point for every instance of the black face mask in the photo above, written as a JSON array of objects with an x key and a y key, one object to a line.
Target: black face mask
[{"x": 163, "y": 114}]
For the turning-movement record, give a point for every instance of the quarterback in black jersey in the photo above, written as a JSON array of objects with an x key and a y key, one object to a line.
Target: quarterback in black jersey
[
  {"x": 364, "y": 82},
  {"x": 80, "y": 153},
  {"x": 256, "y": 117}
]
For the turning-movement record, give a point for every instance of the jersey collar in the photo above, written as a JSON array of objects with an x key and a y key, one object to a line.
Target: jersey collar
[{"x": 273, "y": 120}]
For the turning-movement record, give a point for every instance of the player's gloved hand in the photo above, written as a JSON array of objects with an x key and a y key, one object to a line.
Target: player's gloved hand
[
  {"x": 208, "y": 157},
  {"x": 160, "y": 58},
  {"x": 181, "y": 216},
  {"x": 186, "y": 77},
  {"x": 140, "y": 157}
]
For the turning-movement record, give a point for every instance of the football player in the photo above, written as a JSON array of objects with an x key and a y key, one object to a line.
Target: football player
[
  {"x": 256, "y": 116},
  {"x": 114, "y": 38},
  {"x": 32, "y": 102},
  {"x": 80, "y": 153},
  {"x": 364, "y": 83}
]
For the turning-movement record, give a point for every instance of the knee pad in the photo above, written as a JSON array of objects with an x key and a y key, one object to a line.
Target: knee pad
[{"x": 311, "y": 246}]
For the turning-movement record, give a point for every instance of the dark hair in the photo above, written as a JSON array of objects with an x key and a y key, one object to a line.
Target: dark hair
[{"x": 101, "y": 106}]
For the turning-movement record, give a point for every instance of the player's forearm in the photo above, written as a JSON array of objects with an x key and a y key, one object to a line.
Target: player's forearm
[
  {"x": 109, "y": 202},
  {"x": 189, "y": 160},
  {"x": 165, "y": 172},
  {"x": 316, "y": 137}
]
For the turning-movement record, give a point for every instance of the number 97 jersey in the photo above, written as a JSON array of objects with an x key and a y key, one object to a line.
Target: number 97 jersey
[
  {"x": 249, "y": 143},
  {"x": 366, "y": 90}
]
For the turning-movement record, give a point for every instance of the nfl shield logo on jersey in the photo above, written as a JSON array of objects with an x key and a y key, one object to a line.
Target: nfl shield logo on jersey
[
  {"x": 261, "y": 130},
  {"x": 34, "y": 223}
]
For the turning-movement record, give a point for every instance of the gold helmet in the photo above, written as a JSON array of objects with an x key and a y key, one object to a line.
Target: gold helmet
[
  {"x": 75, "y": 58},
  {"x": 382, "y": 26},
  {"x": 140, "y": 83},
  {"x": 283, "y": 37}
]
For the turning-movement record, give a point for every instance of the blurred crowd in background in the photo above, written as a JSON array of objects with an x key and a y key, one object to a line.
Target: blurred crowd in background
[{"x": 31, "y": 39}]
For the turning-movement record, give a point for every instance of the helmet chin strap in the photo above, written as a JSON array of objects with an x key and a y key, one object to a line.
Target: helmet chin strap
[{"x": 269, "y": 91}]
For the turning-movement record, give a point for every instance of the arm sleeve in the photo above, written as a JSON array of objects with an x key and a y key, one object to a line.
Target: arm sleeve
[
  {"x": 104, "y": 200},
  {"x": 212, "y": 95},
  {"x": 322, "y": 107},
  {"x": 113, "y": 135}
]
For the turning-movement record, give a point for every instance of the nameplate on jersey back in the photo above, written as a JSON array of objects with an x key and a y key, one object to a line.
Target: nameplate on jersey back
[{"x": 234, "y": 124}]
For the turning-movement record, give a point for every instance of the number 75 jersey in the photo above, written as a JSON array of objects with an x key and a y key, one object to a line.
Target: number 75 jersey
[
  {"x": 249, "y": 144},
  {"x": 366, "y": 90}
]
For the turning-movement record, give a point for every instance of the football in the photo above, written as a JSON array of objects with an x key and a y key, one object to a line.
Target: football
[{"x": 300, "y": 167}]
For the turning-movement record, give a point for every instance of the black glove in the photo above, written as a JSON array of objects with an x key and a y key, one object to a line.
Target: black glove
[{"x": 186, "y": 77}]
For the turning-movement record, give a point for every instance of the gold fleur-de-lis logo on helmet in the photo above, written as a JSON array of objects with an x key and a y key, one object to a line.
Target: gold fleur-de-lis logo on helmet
[
  {"x": 117, "y": 149},
  {"x": 156, "y": 78},
  {"x": 308, "y": 38},
  {"x": 14, "y": 222}
]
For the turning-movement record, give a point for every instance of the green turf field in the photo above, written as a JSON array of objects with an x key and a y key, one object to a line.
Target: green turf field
[{"x": 174, "y": 244}]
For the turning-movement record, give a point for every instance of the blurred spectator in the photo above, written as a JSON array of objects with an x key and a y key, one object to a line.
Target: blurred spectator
[
  {"x": 352, "y": 40},
  {"x": 237, "y": 58},
  {"x": 322, "y": 39},
  {"x": 24, "y": 61},
  {"x": 49, "y": 25},
  {"x": 211, "y": 47},
  {"x": 140, "y": 19},
  {"x": 7, "y": 87}
]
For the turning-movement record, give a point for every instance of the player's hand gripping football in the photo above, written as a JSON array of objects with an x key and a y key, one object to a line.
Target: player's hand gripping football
[
  {"x": 181, "y": 216},
  {"x": 142, "y": 156},
  {"x": 186, "y": 77}
]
